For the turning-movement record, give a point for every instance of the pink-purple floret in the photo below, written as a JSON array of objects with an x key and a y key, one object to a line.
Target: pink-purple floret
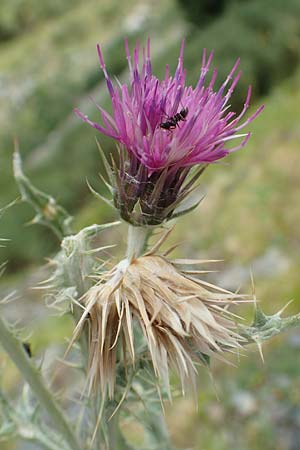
[{"x": 140, "y": 108}]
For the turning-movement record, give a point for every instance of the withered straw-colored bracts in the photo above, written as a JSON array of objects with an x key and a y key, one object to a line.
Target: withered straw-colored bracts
[{"x": 182, "y": 318}]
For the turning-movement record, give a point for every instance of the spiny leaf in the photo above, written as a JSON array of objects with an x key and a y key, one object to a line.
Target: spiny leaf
[
  {"x": 74, "y": 264},
  {"x": 48, "y": 211},
  {"x": 107, "y": 167},
  {"x": 99, "y": 196},
  {"x": 264, "y": 327},
  {"x": 260, "y": 319},
  {"x": 4, "y": 208}
]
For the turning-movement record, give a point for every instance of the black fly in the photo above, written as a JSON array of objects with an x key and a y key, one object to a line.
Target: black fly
[{"x": 172, "y": 121}]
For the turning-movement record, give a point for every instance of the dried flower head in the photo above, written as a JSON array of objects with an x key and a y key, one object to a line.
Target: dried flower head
[
  {"x": 165, "y": 128},
  {"x": 183, "y": 319}
]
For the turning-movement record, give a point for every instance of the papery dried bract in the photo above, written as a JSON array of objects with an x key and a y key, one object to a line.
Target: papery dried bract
[{"x": 182, "y": 320}]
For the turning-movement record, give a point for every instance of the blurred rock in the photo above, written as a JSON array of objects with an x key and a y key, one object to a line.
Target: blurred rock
[{"x": 244, "y": 403}]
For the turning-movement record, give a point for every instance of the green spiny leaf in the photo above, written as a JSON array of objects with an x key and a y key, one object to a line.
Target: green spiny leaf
[
  {"x": 48, "y": 212},
  {"x": 99, "y": 196},
  {"x": 107, "y": 167},
  {"x": 264, "y": 327}
]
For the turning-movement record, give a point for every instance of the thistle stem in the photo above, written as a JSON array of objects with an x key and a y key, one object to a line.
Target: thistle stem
[
  {"x": 33, "y": 377},
  {"x": 157, "y": 430},
  {"x": 136, "y": 246},
  {"x": 115, "y": 437},
  {"x": 137, "y": 241}
]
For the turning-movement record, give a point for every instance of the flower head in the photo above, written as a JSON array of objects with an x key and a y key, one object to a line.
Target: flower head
[
  {"x": 183, "y": 320},
  {"x": 165, "y": 126}
]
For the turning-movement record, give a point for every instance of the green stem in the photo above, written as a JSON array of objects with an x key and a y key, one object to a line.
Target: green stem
[
  {"x": 33, "y": 377},
  {"x": 136, "y": 245},
  {"x": 158, "y": 434},
  {"x": 113, "y": 433},
  {"x": 157, "y": 431},
  {"x": 137, "y": 241},
  {"x": 115, "y": 437}
]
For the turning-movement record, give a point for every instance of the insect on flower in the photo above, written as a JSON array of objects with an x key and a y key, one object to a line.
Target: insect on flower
[
  {"x": 172, "y": 121},
  {"x": 157, "y": 170},
  {"x": 138, "y": 105}
]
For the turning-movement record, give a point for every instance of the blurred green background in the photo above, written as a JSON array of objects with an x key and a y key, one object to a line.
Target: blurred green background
[{"x": 250, "y": 216}]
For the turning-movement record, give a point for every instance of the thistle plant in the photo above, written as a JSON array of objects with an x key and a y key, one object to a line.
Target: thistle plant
[{"x": 146, "y": 314}]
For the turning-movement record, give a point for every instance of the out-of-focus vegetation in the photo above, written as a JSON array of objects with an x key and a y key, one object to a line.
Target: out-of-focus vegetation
[
  {"x": 53, "y": 67},
  {"x": 250, "y": 216},
  {"x": 18, "y": 16},
  {"x": 201, "y": 13}
]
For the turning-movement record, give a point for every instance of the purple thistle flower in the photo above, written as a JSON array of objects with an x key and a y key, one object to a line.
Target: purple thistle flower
[{"x": 165, "y": 128}]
